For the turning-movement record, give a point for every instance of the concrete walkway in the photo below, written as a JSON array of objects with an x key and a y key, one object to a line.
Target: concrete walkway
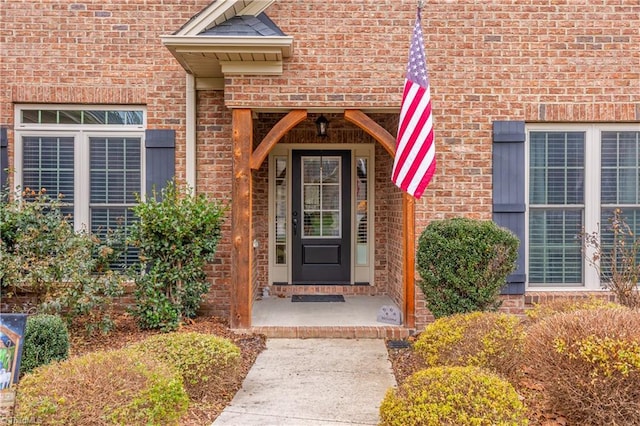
[{"x": 313, "y": 382}]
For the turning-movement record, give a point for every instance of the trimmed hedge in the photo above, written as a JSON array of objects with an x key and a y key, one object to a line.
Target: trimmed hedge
[
  {"x": 453, "y": 396},
  {"x": 483, "y": 339},
  {"x": 464, "y": 264},
  {"x": 589, "y": 364},
  {"x": 46, "y": 339},
  {"x": 205, "y": 362},
  {"x": 103, "y": 388},
  {"x": 541, "y": 311}
]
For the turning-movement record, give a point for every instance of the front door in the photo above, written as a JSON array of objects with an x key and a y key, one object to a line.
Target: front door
[{"x": 321, "y": 217}]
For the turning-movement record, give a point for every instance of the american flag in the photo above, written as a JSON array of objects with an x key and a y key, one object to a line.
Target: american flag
[{"x": 415, "y": 161}]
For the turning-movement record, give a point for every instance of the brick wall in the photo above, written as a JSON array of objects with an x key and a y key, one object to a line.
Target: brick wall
[
  {"x": 214, "y": 163},
  {"x": 94, "y": 51},
  {"x": 500, "y": 60}
]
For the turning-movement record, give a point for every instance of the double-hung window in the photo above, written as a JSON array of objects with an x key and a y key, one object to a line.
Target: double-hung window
[
  {"x": 90, "y": 156},
  {"x": 577, "y": 175}
]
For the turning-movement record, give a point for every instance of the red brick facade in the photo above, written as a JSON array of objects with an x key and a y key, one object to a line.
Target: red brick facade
[{"x": 551, "y": 61}]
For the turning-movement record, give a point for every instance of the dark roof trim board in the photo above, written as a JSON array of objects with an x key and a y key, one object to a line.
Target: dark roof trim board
[{"x": 220, "y": 11}]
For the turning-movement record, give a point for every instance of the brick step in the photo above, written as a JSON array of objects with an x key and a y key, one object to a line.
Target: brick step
[{"x": 333, "y": 332}]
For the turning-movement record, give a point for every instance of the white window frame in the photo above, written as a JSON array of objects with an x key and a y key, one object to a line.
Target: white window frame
[
  {"x": 81, "y": 135},
  {"x": 592, "y": 198}
]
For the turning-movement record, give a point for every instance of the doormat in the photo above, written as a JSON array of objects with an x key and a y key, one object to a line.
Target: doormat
[{"x": 317, "y": 298}]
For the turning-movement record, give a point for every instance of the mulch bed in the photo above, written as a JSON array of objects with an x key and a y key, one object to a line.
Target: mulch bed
[{"x": 404, "y": 362}]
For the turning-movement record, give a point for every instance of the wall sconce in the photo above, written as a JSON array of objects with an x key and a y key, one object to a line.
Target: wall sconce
[{"x": 322, "y": 124}]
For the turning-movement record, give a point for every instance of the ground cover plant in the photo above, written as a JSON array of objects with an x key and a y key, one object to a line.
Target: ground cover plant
[
  {"x": 452, "y": 396},
  {"x": 463, "y": 264},
  {"x": 489, "y": 340}
]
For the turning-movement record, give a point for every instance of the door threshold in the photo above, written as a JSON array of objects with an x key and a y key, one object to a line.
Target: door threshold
[
  {"x": 320, "y": 283},
  {"x": 287, "y": 290}
]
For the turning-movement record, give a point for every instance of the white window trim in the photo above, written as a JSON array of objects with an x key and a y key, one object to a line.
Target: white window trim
[
  {"x": 591, "y": 195},
  {"x": 80, "y": 135}
]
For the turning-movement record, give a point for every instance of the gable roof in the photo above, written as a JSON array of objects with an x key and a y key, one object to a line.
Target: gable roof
[
  {"x": 230, "y": 37},
  {"x": 244, "y": 25}
]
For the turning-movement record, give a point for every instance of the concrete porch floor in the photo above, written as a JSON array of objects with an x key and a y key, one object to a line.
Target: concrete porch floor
[{"x": 356, "y": 317}]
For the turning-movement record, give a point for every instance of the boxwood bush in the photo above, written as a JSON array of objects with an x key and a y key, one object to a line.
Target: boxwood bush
[
  {"x": 589, "y": 364},
  {"x": 46, "y": 339},
  {"x": 205, "y": 362},
  {"x": 483, "y": 339},
  {"x": 464, "y": 264},
  {"x": 103, "y": 388},
  {"x": 453, "y": 396}
]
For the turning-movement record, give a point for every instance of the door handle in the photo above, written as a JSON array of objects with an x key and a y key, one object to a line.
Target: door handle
[{"x": 295, "y": 226}]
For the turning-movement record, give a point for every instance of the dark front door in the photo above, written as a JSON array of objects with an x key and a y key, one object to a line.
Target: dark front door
[{"x": 321, "y": 217}]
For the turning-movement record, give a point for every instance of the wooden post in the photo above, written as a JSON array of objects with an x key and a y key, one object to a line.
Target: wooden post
[
  {"x": 241, "y": 226},
  {"x": 409, "y": 259}
]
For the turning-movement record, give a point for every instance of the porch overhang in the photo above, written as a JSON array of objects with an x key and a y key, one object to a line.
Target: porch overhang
[
  {"x": 216, "y": 56},
  {"x": 246, "y": 159}
]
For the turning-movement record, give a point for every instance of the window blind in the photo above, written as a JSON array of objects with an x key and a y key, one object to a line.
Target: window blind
[{"x": 556, "y": 201}]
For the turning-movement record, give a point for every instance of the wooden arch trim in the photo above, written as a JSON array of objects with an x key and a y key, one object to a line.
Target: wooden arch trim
[
  {"x": 388, "y": 142},
  {"x": 276, "y": 133},
  {"x": 378, "y": 132}
]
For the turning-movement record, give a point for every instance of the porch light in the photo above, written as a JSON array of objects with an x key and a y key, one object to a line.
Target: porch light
[{"x": 322, "y": 124}]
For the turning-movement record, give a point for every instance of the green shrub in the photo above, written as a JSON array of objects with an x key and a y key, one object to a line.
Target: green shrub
[
  {"x": 589, "y": 364},
  {"x": 46, "y": 339},
  {"x": 205, "y": 362},
  {"x": 452, "y": 396},
  {"x": 464, "y": 264},
  {"x": 483, "y": 339},
  {"x": 177, "y": 235},
  {"x": 103, "y": 388},
  {"x": 541, "y": 311},
  {"x": 68, "y": 272}
]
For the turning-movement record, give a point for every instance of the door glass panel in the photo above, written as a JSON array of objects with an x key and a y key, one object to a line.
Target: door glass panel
[
  {"x": 331, "y": 197},
  {"x": 362, "y": 234},
  {"x": 311, "y": 170},
  {"x": 281, "y": 210},
  {"x": 331, "y": 170},
  {"x": 311, "y": 197},
  {"x": 330, "y": 224},
  {"x": 322, "y": 208}
]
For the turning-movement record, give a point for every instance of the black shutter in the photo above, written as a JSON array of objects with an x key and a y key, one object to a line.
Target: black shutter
[
  {"x": 4, "y": 158},
  {"x": 160, "y": 149},
  {"x": 508, "y": 191}
]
